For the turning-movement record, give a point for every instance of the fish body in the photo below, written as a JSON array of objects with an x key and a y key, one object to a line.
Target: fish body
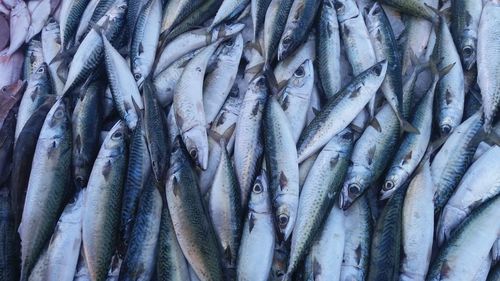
[
  {"x": 51, "y": 45},
  {"x": 20, "y": 20},
  {"x": 274, "y": 25}
]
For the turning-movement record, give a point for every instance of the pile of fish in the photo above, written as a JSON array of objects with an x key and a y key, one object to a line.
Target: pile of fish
[{"x": 249, "y": 140}]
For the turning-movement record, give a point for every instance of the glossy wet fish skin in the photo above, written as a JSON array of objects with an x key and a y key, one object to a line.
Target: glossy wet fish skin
[
  {"x": 227, "y": 10},
  {"x": 475, "y": 236},
  {"x": 175, "y": 11},
  {"x": 48, "y": 185},
  {"x": 248, "y": 143},
  {"x": 477, "y": 186},
  {"x": 258, "y": 9},
  {"x": 453, "y": 159},
  {"x": 283, "y": 167},
  {"x": 328, "y": 49},
  {"x": 258, "y": 238},
  {"x": 37, "y": 91},
  {"x": 464, "y": 27},
  {"x": 371, "y": 155},
  {"x": 140, "y": 260},
  {"x": 487, "y": 51},
  {"x": 71, "y": 11},
  {"x": 101, "y": 214},
  {"x": 33, "y": 58},
  {"x": 192, "y": 226},
  {"x": 40, "y": 13},
  {"x": 51, "y": 45},
  {"x": 348, "y": 103},
  {"x": 450, "y": 89},
  {"x": 412, "y": 7},
  {"x": 64, "y": 246},
  {"x": 295, "y": 95},
  {"x": 87, "y": 122},
  {"x": 319, "y": 192},
  {"x": 22, "y": 158},
  {"x": 224, "y": 207},
  {"x": 298, "y": 24},
  {"x": 20, "y": 20},
  {"x": 274, "y": 25}
]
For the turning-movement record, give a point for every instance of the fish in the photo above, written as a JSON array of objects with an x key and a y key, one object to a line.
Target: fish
[
  {"x": 20, "y": 21},
  {"x": 464, "y": 28},
  {"x": 317, "y": 197},
  {"x": 4, "y": 32},
  {"x": 258, "y": 8},
  {"x": 139, "y": 262},
  {"x": 176, "y": 11},
  {"x": 51, "y": 45},
  {"x": 255, "y": 255},
  {"x": 33, "y": 58},
  {"x": 71, "y": 12},
  {"x": 283, "y": 167},
  {"x": 42, "y": 11},
  {"x": 218, "y": 83},
  {"x": 412, "y": 7},
  {"x": 488, "y": 37},
  {"x": 192, "y": 226},
  {"x": 48, "y": 185},
  {"x": 476, "y": 236},
  {"x": 227, "y": 10},
  {"x": 188, "y": 105},
  {"x": 328, "y": 49},
  {"x": 101, "y": 212},
  {"x": 125, "y": 93},
  {"x": 274, "y": 25},
  {"x": 348, "y": 103},
  {"x": 64, "y": 246},
  {"x": 299, "y": 22},
  {"x": 7, "y": 145},
  {"x": 9, "y": 98},
  {"x": 418, "y": 225}
]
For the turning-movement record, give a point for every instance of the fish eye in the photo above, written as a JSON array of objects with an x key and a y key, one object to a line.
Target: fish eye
[
  {"x": 194, "y": 153},
  {"x": 117, "y": 135},
  {"x": 137, "y": 76},
  {"x": 354, "y": 189},
  {"x": 59, "y": 113},
  {"x": 257, "y": 188},
  {"x": 122, "y": 7},
  {"x": 41, "y": 70},
  {"x": 300, "y": 72},
  {"x": 378, "y": 69},
  {"x": 4, "y": 89},
  {"x": 388, "y": 185},
  {"x": 283, "y": 220},
  {"x": 230, "y": 43},
  {"x": 467, "y": 51},
  {"x": 338, "y": 6},
  {"x": 287, "y": 40}
]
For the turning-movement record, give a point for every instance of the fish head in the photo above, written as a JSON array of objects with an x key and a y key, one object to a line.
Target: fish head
[
  {"x": 115, "y": 143},
  {"x": 303, "y": 77},
  {"x": 446, "y": 126},
  {"x": 394, "y": 180},
  {"x": 12, "y": 90},
  {"x": 58, "y": 121},
  {"x": 259, "y": 196},
  {"x": 285, "y": 216},
  {"x": 346, "y": 9},
  {"x": 288, "y": 44},
  {"x": 468, "y": 50},
  {"x": 232, "y": 48},
  {"x": 196, "y": 142},
  {"x": 229, "y": 29},
  {"x": 357, "y": 181}
]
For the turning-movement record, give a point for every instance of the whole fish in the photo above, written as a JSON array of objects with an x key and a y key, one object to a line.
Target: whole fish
[
  {"x": 22, "y": 158},
  {"x": 413, "y": 146},
  {"x": 296, "y": 95},
  {"x": 386, "y": 243},
  {"x": 20, "y": 20},
  {"x": 477, "y": 186},
  {"x": 418, "y": 226},
  {"x": 138, "y": 172},
  {"x": 71, "y": 12},
  {"x": 140, "y": 260},
  {"x": 461, "y": 257},
  {"x": 39, "y": 13},
  {"x": 38, "y": 90},
  {"x": 90, "y": 52},
  {"x": 191, "y": 41},
  {"x": 218, "y": 83},
  {"x": 325, "y": 258},
  {"x": 283, "y": 168},
  {"x": 358, "y": 235},
  {"x": 299, "y": 22},
  {"x": 145, "y": 40},
  {"x": 51, "y": 45},
  {"x": 101, "y": 213},
  {"x": 48, "y": 185},
  {"x": 487, "y": 72},
  {"x": 188, "y": 105},
  {"x": 224, "y": 207},
  {"x": 156, "y": 135},
  {"x": 453, "y": 159},
  {"x": 347, "y": 104},
  {"x": 87, "y": 123},
  {"x": 328, "y": 49},
  {"x": 464, "y": 27},
  {"x": 192, "y": 226},
  {"x": 64, "y": 246},
  {"x": 255, "y": 255},
  {"x": 386, "y": 48},
  {"x": 125, "y": 93},
  {"x": 227, "y": 10},
  {"x": 450, "y": 89},
  {"x": 371, "y": 155},
  {"x": 319, "y": 191},
  {"x": 248, "y": 143},
  {"x": 414, "y": 8},
  {"x": 274, "y": 25}
]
